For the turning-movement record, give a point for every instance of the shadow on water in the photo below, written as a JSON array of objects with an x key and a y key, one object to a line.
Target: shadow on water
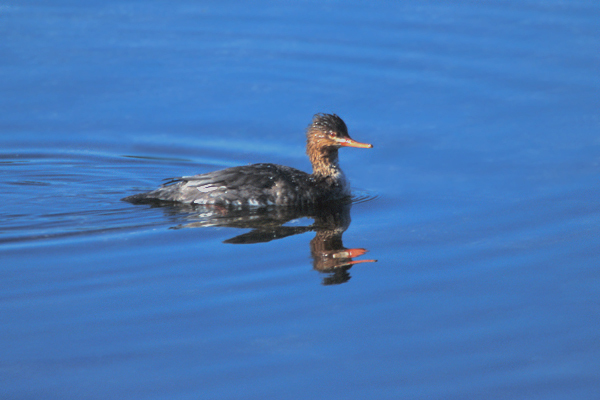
[{"x": 329, "y": 223}]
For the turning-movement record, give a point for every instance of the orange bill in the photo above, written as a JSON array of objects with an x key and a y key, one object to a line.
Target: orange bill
[{"x": 347, "y": 142}]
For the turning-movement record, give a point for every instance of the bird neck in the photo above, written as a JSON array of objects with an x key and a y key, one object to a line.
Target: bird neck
[{"x": 325, "y": 162}]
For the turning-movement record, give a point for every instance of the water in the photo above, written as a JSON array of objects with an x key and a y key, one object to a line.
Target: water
[{"x": 479, "y": 201}]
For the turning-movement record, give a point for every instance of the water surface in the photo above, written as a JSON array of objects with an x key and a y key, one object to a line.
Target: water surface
[{"x": 479, "y": 201}]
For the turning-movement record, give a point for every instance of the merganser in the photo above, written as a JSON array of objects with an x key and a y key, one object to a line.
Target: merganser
[{"x": 263, "y": 185}]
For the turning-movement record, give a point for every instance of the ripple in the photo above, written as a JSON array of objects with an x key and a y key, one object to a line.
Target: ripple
[{"x": 363, "y": 196}]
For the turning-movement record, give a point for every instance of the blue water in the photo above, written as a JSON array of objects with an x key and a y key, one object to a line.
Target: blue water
[{"x": 479, "y": 200}]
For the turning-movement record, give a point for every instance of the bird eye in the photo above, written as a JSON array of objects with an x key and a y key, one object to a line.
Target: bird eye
[{"x": 331, "y": 134}]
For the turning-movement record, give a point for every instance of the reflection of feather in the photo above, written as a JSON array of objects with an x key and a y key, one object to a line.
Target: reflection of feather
[
  {"x": 266, "y": 235},
  {"x": 330, "y": 221}
]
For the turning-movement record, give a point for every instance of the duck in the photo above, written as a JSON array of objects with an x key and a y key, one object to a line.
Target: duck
[{"x": 267, "y": 185}]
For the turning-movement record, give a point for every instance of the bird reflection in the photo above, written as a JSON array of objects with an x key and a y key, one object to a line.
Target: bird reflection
[{"x": 330, "y": 221}]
